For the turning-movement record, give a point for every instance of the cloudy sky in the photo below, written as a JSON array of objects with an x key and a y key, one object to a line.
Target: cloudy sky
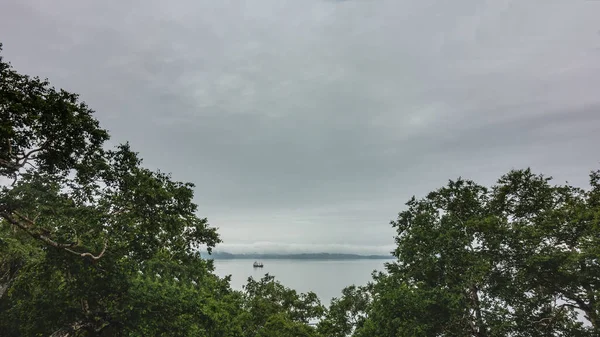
[{"x": 306, "y": 125}]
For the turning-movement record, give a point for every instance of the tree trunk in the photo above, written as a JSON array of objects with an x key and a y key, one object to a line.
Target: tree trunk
[
  {"x": 69, "y": 330},
  {"x": 481, "y": 328},
  {"x": 73, "y": 329},
  {"x": 10, "y": 270},
  {"x": 592, "y": 316}
]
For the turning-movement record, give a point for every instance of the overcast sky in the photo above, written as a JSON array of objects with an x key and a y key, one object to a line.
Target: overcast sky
[{"x": 306, "y": 125}]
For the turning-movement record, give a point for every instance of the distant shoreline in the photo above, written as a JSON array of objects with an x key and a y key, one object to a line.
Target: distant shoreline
[{"x": 299, "y": 256}]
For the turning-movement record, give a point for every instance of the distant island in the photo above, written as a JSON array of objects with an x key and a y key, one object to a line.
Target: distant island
[{"x": 297, "y": 256}]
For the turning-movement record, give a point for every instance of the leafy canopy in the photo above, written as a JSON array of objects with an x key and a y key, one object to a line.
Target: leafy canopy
[
  {"x": 517, "y": 259},
  {"x": 94, "y": 244}
]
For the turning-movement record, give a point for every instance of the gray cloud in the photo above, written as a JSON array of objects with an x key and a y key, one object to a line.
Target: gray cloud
[{"x": 312, "y": 122}]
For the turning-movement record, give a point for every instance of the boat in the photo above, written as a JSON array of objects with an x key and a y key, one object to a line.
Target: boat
[{"x": 257, "y": 264}]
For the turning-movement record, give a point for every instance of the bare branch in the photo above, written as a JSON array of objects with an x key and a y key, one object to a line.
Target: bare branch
[
  {"x": 569, "y": 305},
  {"x": 22, "y": 160},
  {"x": 99, "y": 255},
  {"x": 90, "y": 255},
  {"x": 29, "y": 227},
  {"x": 26, "y": 156},
  {"x": 543, "y": 320}
]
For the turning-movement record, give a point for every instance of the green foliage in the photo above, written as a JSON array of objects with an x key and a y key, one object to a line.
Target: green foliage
[
  {"x": 280, "y": 325},
  {"x": 269, "y": 304},
  {"x": 97, "y": 235},
  {"x": 518, "y": 259},
  {"x": 91, "y": 242},
  {"x": 345, "y": 313},
  {"x": 42, "y": 126},
  {"x": 166, "y": 306},
  {"x": 94, "y": 244}
]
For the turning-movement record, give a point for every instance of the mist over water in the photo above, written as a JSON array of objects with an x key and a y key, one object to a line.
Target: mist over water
[{"x": 266, "y": 247}]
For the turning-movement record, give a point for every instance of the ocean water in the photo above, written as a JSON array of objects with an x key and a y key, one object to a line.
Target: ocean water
[{"x": 326, "y": 278}]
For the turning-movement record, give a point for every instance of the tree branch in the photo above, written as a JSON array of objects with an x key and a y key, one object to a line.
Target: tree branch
[
  {"x": 90, "y": 255},
  {"x": 29, "y": 228},
  {"x": 26, "y": 155},
  {"x": 119, "y": 211}
]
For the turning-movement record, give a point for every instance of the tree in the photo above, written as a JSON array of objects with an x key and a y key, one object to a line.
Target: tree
[
  {"x": 518, "y": 259},
  {"x": 93, "y": 243},
  {"x": 401, "y": 310},
  {"x": 553, "y": 247},
  {"x": 268, "y": 305},
  {"x": 346, "y": 313},
  {"x": 443, "y": 243},
  {"x": 280, "y": 325}
]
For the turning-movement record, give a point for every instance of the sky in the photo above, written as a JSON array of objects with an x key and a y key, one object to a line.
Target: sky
[{"x": 306, "y": 125}]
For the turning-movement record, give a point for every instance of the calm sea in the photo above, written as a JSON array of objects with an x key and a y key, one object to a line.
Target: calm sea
[{"x": 325, "y": 278}]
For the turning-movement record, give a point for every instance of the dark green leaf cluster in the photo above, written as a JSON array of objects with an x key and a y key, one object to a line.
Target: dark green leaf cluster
[
  {"x": 346, "y": 313},
  {"x": 517, "y": 259},
  {"x": 274, "y": 310},
  {"x": 94, "y": 244}
]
